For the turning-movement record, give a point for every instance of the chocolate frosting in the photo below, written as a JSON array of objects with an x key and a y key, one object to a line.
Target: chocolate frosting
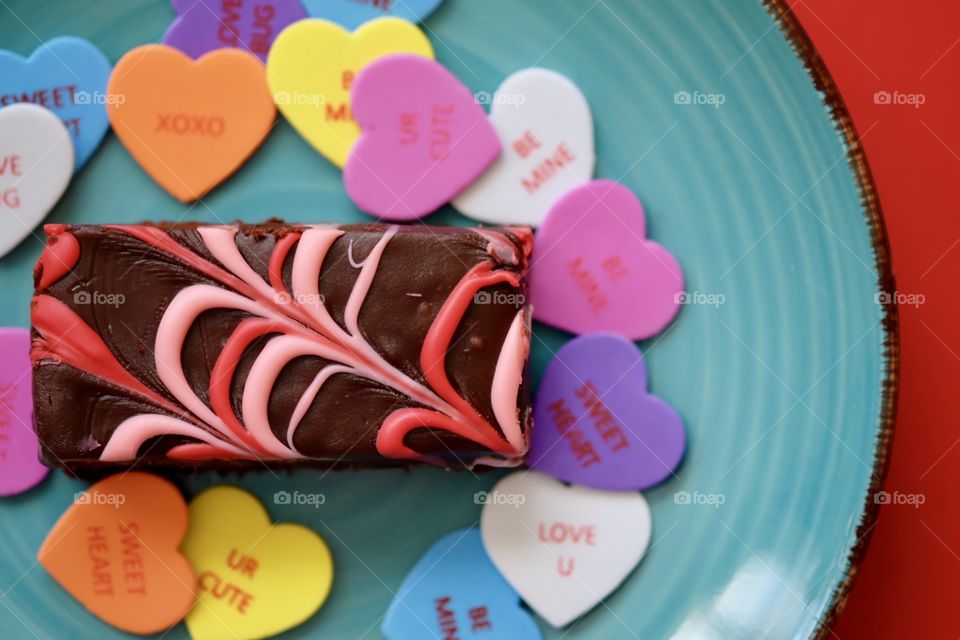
[{"x": 123, "y": 280}]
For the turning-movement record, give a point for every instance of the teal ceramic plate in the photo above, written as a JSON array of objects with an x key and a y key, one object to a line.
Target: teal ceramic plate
[{"x": 784, "y": 372}]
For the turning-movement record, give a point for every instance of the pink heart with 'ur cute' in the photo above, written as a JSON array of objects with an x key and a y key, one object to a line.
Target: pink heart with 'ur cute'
[
  {"x": 595, "y": 270},
  {"x": 424, "y": 138}
]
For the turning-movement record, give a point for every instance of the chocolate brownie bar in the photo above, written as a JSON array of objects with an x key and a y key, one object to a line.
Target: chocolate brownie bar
[{"x": 213, "y": 346}]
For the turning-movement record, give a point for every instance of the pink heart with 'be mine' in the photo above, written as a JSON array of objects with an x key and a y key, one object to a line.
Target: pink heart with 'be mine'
[
  {"x": 594, "y": 269},
  {"x": 424, "y": 138}
]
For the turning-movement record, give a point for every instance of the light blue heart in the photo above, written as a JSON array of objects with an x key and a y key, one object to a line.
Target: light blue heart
[
  {"x": 457, "y": 567},
  {"x": 68, "y": 76},
  {"x": 352, "y": 13}
]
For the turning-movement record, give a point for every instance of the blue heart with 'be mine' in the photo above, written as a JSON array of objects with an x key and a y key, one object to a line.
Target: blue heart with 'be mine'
[
  {"x": 454, "y": 591},
  {"x": 68, "y": 76},
  {"x": 350, "y": 14}
]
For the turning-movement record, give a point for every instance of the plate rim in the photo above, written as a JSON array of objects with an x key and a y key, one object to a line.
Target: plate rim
[
  {"x": 791, "y": 27},
  {"x": 803, "y": 45}
]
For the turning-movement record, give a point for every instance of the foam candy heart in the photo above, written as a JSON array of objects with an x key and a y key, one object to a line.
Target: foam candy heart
[
  {"x": 595, "y": 270},
  {"x": 68, "y": 76},
  {"x": 254, "y": 578},
  {"x": 596, "y": 423},
  {"x": 20, "y": 466},
  {"x": 564, "y": 549},
  {"x": 546, "y": 131},
  {"x": 455, "y": 592},
  {"x": 36, "y": 165},
  {"x": 311, "y": 69},
  {"x": 115, "y": 550},
  {"x": 202, "y": 26},
  {"x": 424, "y": 138},
  {"x": 189, "y": 124},
  {"x": 353, "y": 13}
]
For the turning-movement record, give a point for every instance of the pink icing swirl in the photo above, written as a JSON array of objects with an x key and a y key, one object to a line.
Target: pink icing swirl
[{"x": 299, "y": 325}]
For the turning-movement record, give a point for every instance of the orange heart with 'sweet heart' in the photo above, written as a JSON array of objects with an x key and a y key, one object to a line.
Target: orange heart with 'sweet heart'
[
  {"x": 190, "y": 124},
  {"x": 116, "y": 551}
]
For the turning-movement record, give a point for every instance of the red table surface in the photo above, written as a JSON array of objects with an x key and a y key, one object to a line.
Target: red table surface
[{"x": 909, "y": 582}]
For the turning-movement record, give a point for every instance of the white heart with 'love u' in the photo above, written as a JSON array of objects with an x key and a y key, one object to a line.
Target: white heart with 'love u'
[
  {"x": 563, "y": 548},
  {"x": 36, "y": 164}
]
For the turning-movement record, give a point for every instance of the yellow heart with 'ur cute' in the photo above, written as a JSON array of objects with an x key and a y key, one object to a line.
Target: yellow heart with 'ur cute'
[
  {"x": 255, "y": 578},
  {"x": 312, "y": 65}
]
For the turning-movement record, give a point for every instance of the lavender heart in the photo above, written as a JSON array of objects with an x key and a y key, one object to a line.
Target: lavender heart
[
  {"x": 596, "y": 425},
  {"x": 202, "y": 26}
]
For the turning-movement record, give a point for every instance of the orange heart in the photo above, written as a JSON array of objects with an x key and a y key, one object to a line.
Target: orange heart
[
  {"x": 115, "y": 550},
  {"x": 189, "y": 124}
]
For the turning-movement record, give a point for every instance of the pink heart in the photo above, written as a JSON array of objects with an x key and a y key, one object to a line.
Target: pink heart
[
  {"x": 595, "y": 270},
  {"x": 424, "y": 138},
  {"x": 20, "y": 466}
]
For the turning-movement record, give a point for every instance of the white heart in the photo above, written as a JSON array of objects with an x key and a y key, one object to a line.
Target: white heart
[
  {"x": 563, "y": 548},
  {"x": 36, "y": 164},
  {"x": 546, "y": 131}
]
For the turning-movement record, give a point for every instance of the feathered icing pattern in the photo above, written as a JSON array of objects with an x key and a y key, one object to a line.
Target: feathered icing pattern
[{"x": 299, "y": 325}]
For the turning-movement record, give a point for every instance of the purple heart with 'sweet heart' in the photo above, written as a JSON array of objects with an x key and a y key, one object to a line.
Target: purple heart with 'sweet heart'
[
  {"x": 424, "y": 138},
  {"x": 202, "y": 26},
  {"x": 20, "y": 467},
  {"x": 595, "y": 270},
  {"x": 596, "y": 424}
]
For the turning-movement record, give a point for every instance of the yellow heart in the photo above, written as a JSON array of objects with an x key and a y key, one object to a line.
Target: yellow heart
[
  {"x": 254, "y": 578},
  {"x": 312, "y": 64}
]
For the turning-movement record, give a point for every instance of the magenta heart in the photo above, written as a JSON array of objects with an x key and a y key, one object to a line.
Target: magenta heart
[
  {"x": 202, "y": 26},
  {"x": 424, "y": 138},
  {"x": 20, "y": 466},
  {"x": 595, "y": 270},
  {"x": 596, "y": 423}
]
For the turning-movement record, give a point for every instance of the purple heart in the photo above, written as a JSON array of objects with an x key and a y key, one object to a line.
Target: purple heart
[
  {"x": 20, "y": 466},
  {"x": 595, "y": 270},
  {"x": 596, "y": 425},
  {"x": 424, "y": 138},
  {"x": 202, "y": 26}
]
